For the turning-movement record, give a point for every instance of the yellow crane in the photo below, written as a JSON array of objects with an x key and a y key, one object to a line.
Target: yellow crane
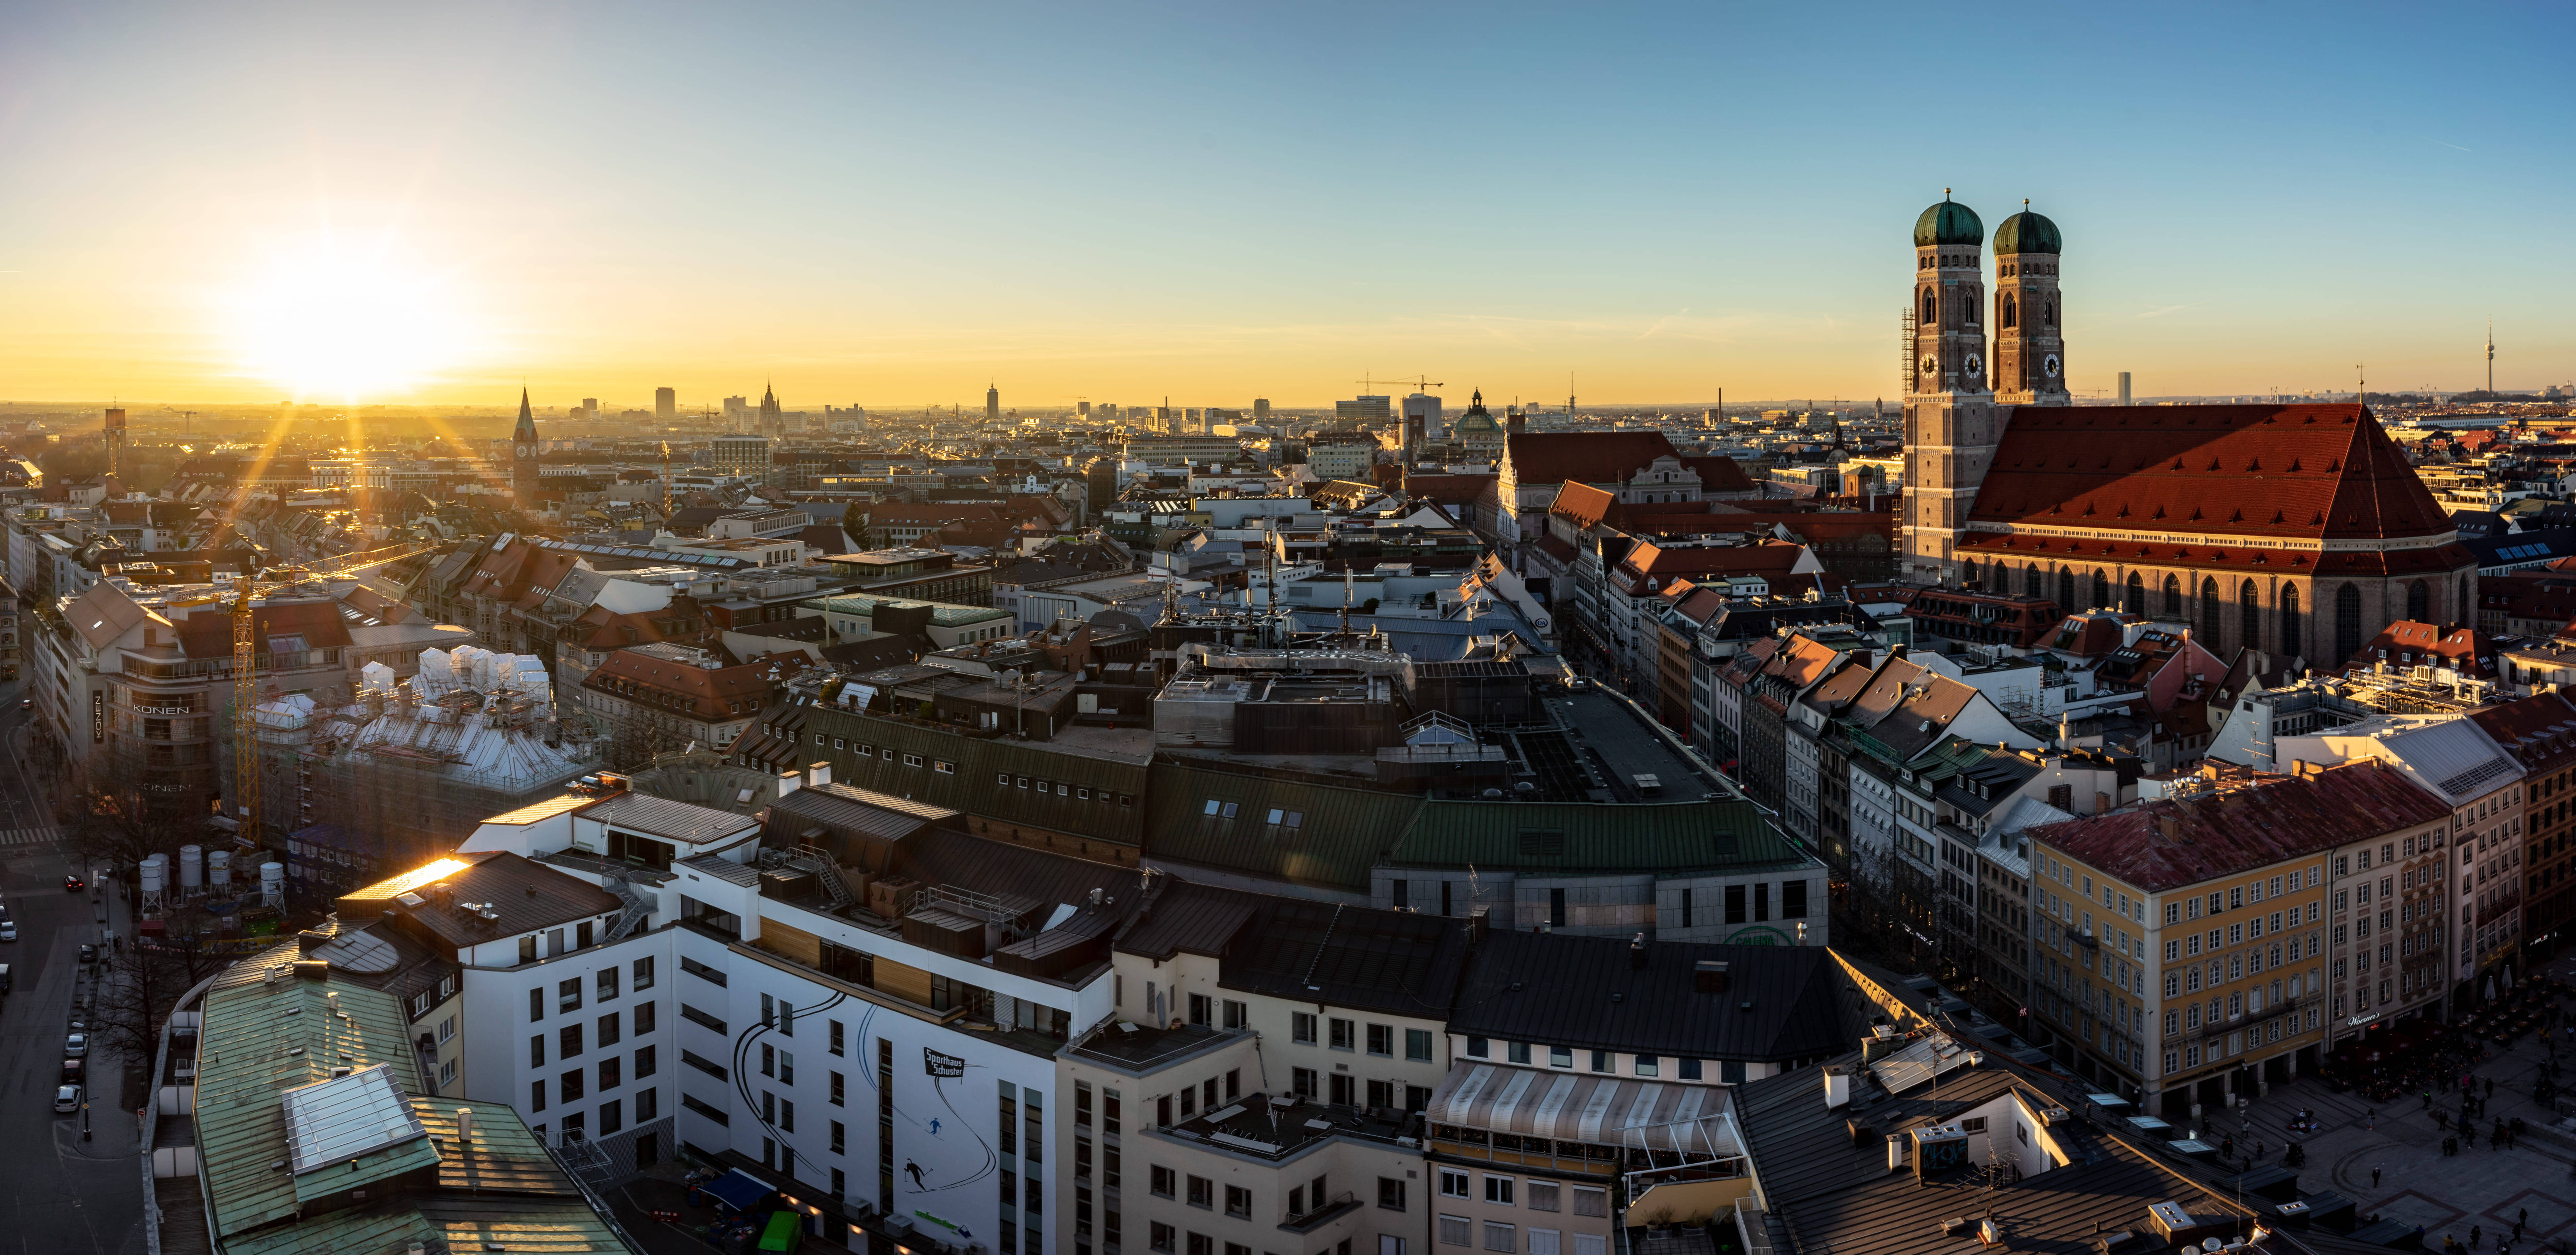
[{"x": 245, "y": 665}]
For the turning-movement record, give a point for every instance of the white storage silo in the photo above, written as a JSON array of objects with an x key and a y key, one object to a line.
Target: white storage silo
[
  {"x": 192, "y": 867},
  {"x": 272, "y": 881},
  {"x": 219, "y": 870}
]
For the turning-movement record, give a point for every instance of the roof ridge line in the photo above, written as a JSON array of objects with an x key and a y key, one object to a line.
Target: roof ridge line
[{"x": 1307, "y": 977}]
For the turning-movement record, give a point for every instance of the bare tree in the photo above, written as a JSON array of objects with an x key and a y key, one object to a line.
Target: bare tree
[
  {"x": 113, "y": 821},
  {"x": 139, "y": 988}
]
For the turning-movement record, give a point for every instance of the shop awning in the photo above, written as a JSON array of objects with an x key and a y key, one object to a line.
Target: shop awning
[
  {"x": 1576, "y": 1107},
  {"x": 738, "y": 1190}
]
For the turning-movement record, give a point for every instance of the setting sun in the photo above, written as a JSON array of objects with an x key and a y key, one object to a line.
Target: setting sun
[{"x": 326, "y": 322}]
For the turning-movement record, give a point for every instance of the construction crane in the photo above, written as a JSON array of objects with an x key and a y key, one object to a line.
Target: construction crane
[
  {"x": 245, "y": 665},
  {"x": 1421, "y": 383}
]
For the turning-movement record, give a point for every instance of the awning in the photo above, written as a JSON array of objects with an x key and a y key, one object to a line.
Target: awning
[
  {"x": 1576, "y": 1107},
  {"x": 738, "y": 1190}
]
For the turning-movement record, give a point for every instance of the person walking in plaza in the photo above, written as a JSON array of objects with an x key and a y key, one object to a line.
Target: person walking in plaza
[
  {"x": 2476, "y": 1233},
  {"x": 2374, "y": 1178}
]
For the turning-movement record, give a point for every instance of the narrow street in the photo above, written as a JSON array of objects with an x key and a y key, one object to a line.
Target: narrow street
[{"x": 58, "y": 1193}]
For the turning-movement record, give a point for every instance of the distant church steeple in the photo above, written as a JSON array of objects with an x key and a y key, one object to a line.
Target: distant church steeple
[
  {"x": 771, "y": 424},
  {"x": 523, "y": 456}
]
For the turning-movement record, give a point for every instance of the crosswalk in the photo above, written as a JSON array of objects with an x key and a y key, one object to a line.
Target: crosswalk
[{"x": 29, "y": 836}]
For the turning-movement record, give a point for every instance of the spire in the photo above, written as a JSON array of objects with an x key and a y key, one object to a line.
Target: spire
[{"x": 526, "y": 432}]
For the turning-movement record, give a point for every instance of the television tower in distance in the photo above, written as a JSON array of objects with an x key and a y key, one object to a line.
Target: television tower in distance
[{"x": 2491, "y": 359}]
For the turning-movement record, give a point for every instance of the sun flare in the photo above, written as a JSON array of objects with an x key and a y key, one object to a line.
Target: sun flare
[{"x": 331, "y": 323}]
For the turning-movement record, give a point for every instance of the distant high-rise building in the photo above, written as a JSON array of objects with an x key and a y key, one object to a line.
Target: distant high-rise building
[
  {"x": 1365, "y": 409},
  {"x": 589, "y": 408},
  {"x": 1261, "y": 409},
  {"x": 2124, "y": 387},
  {"x": 115, "y": 431},
  {"x": 992, "y": 404},
  {"x": 1424, "y": 406},
  {"x": 736, "y": 409},
  {"x": 1083, "y": 408},
  {"x": 666, "y": 404}
]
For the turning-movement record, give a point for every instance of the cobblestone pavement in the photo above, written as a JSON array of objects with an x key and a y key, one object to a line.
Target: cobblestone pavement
[{"x": 2416, "y": 1182}]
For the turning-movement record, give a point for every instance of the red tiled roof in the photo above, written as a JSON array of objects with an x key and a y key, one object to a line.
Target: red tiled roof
[
  {"x": 1582, "y": 504},
  {"x": 2539, "y": 729},
  {"x": 707, "y": 694},
  {"x": 318, "y": 622},
  {"x": 2252, "y": 819},
  {"x": 2407, "y": 643},
  {"x": 1720, "y": 474},
  {"x": 2305, "y": 472},
  {"x": 1591, "y": 457}
]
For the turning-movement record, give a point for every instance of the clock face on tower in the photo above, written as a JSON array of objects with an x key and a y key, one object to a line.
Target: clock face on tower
[
  {"x": 1974, "y": 366},
  {"x": 523, "y": 450},
  {"x": 1931, "y": 366},
  {"x": 2048, "y": 366}
]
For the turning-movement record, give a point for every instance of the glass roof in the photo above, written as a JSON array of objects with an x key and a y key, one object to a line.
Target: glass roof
[{"x": 348, "y": 1116}]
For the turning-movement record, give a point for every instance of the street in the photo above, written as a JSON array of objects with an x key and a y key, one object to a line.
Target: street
[{"x": 57, "y": 1193}]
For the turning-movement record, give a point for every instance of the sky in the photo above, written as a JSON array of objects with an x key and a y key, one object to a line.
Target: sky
[{"x": 893, "y": 205}]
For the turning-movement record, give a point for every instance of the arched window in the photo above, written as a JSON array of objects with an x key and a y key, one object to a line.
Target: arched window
[
  {"x": 2101, "y": 590},
  {"x": 2464, "y": 610},
  {"x": 2419, "y": 602},
  {"x": 2004, "y": 312},
  {"x": 2048, "y": 314},
  {"x": 2065, "y": 590},
  {"x": 2030, "y": 580},
  {"x": 2173, "y": 598},
  {"x": 1931, "y": 306},
  {"x": 1967, "y": 572},
  {"x": 2209, "y": 614},
  {"x": 2292, "y": 643},
  {"x": 2347, "y": 623},
  {"x": 2249, "y": 610},
  {"x": 2134, "y": 597}
]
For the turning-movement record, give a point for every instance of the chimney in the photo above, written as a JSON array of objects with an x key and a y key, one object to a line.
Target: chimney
[
  {"x": 818, "y": 775},
  {"x": 1709, "y": 976},
  {"x": 1637, "y": 953},
  {"x": 1837, "y": 1087},
  {"x": 312, "y": 969},
  {"x": 1479, "y": 921},
  {"x": 464, "y": 1125},
  {"x": 789, "y": 782},
  {"x": 1880, "y": 1042}
]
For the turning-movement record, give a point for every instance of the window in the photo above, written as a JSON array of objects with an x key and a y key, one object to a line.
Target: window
[
  {"x": 1601, "y": 1061},
  {"x": 786, "y": 1115},
  {"x": 537, "y": 1050},
  {"x": 1559, "y": 1057},
  {"x": 1477, "y": 1047},
  {"x": 607, "y": 985},
  {"x": 1163, "y": 1181},
  {"x": 1159, "y": 1237},
  {"x": 1381, "y": 1040},
  {"x": 691, "y": 1058},
  {"x": 536, "y": 1005},
  {"x": 840, "y": 1138},
  {"x": 569, "y": 1085},
  {"x": 701, "y": 971},
  {"x": 1591, "y": 1201},
  {"x": 839, "y": 1090},
  {"x": 1501, "y": 1237},
  {"x": 644, "y": 1062},
  {"x": 1545, "y": 1242},
  {"x": 1543, "y": 1196},
  {"x": 1647, "y": 1065},
  {"x": 1690, "y": 1069},
  {"x": 833, "y": 1043},
  {"x": 528, "y": 948},
  {"x": 608, "y": 1029},
  {"x": 645, "y": 1018},
  {"x": 568, "y": 994},
  {"x": 1453, "y": 1183},
  {"x": 1301, "y": 1028},
  {"x": 1390, "y": 1194},
  {"x": 1455, "y": 1231},
  {"x": 611, "y": 1073},
  {"x": 1237, "y": 1015},
  {"x": 1202, "y": 1193},
  {"x": 568, "y": 1041},
  {"x": 1301, "y": 1082},
  {"x": 1343, "y": 1032},
  {"x": 1238, "y": 1202},
  {"x": 536, "y": 1095},
  {"x": 1417, "y": 1044},
  {"x": 1498, "y": 1190},
  {"x": 643, "y": 978}
]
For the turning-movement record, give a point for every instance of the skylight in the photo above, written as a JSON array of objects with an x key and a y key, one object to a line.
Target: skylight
[{"x": 348, "y": 1116}]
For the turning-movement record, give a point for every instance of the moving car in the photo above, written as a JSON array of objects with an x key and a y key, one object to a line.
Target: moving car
[
  {"x": 67, "y": 1099},
  {"x": 74, "y": 884},
  {"x": 89, "y": 954},
  {"x": 76, "y": 1045}
]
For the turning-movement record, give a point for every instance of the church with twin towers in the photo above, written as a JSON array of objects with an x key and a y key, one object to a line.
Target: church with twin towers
[{"x": 2296, "y": 531}]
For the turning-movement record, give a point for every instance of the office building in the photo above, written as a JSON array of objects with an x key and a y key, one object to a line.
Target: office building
[
  {"x": 666, "y": 404},
  {"x": 992, "y": 404}
]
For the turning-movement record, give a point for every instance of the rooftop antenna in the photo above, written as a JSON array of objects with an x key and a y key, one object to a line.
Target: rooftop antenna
[
  {"x": 2491, "y": 359},
  {"x": 1346, "y": 598}
]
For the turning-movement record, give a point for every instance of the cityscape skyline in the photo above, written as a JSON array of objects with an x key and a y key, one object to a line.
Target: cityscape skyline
[{"x": 322, "y": 209}]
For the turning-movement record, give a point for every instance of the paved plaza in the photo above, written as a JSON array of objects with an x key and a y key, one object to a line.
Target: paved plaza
[{"x": 2417, "y": 1183}]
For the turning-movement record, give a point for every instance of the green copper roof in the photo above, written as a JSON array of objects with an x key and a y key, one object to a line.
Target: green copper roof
[
  {"x": 1948, "y": 223},
  {"x": 2025, "y": 232}
]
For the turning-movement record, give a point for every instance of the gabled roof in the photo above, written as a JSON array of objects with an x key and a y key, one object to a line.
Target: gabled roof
[{"x": 1591, "y": 457}]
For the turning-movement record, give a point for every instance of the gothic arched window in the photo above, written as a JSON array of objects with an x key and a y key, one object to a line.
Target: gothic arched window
[
  {"x": 2030, "y": 580},
  {"x": 2133, "y": 599},
  {"x": 2047, "y": 314},
  {"x": 2173, "y": 598},
  {"x": 2209, "y": 612},
  {"x": 2419, "y": 602},
  {"x": 2347, "y": 622},
  {"x": 2065, "y": 590},
  {"x": 2291, "y": 642},
  {"x": 2004, "y": 312},
  {"x": 1931, "y": 306},
  {"x": 2249, "y": 604}
]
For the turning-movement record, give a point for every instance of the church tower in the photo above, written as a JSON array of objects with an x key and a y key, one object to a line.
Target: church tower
[
  {"x": 523, "y": 456},
  {"x": 1951, "y": 424},
  {"x": 2030, "y": 351},
  {"x": 771, "y": 425}
]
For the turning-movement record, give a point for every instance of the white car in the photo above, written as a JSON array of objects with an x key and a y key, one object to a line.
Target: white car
[
  {"x": 76, "y": 1046},
  {"x": 67, "y": 1099},
  {"x": 8, "y": 930}
]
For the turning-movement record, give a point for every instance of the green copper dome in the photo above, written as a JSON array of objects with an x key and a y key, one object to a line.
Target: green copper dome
[
  {"x": 2024, "y": 232},
  {"x": 1948, "y": 223}
]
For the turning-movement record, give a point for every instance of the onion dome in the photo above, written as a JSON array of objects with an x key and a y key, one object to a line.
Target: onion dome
[
  {"x": 1948, "y": 223},
  {"x": 2025, "y": 232}
]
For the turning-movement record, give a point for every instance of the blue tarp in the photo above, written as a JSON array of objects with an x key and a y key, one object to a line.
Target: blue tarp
[{"x": 738, "y": 1190}]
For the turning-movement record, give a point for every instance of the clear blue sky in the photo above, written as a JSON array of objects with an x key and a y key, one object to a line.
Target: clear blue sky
[{"x": 892, "y": 204}]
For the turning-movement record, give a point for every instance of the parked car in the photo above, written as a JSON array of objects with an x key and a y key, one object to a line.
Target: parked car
[
  {"x": 68, "y": 1099},
  {"x": 8, "y": 930},
  {"x": 76, "y": 1046},
  {"x": 89, "y": 953},
  {"x": 75, "y": 1071}
]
